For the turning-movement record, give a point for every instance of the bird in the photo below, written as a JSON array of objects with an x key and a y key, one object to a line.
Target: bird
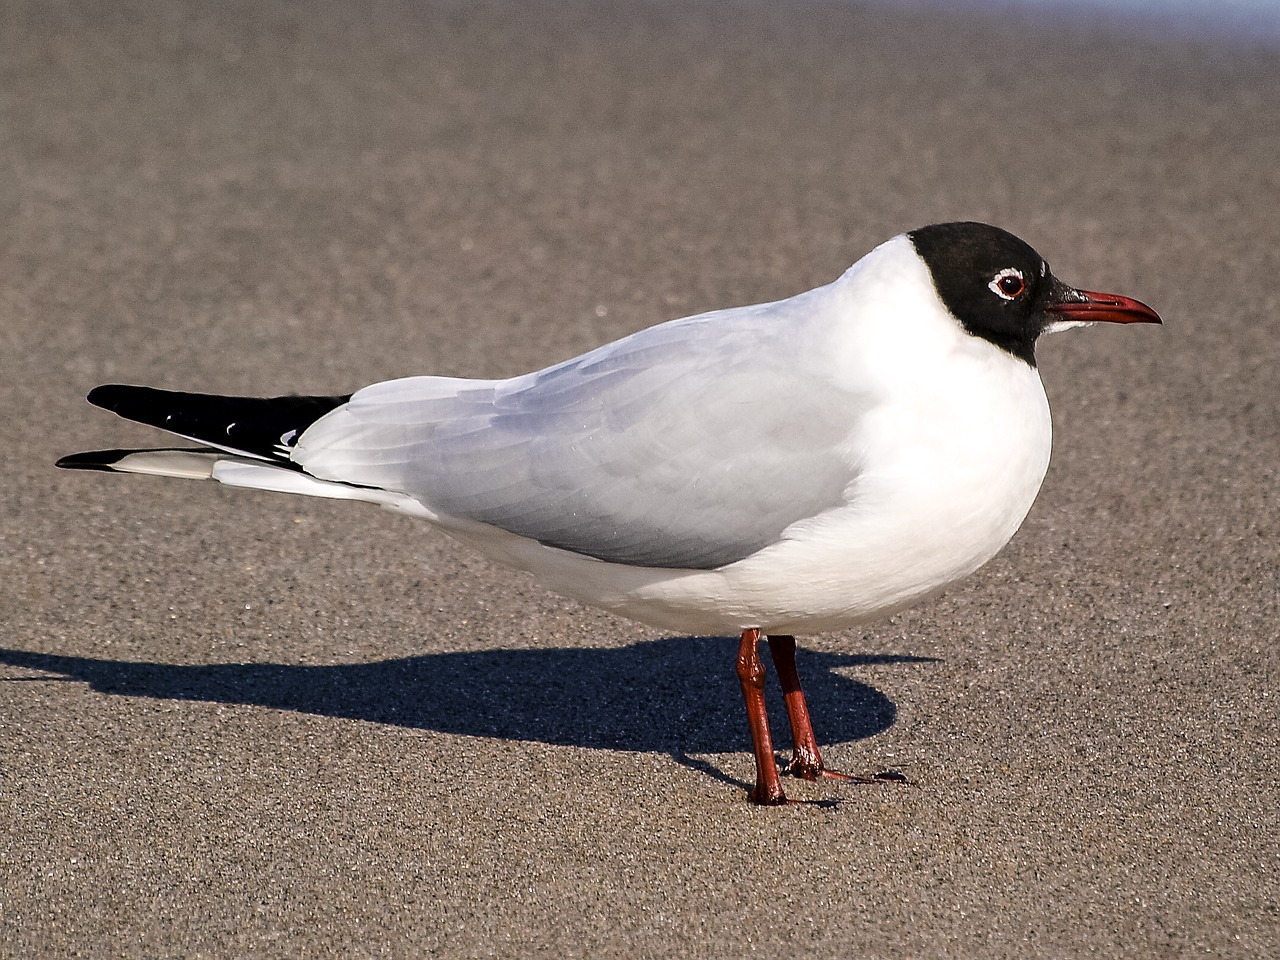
[{"x": 763, "y": 471}]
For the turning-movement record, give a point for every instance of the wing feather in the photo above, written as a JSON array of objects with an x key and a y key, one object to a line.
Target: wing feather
[{"x": 687, "y": 445}]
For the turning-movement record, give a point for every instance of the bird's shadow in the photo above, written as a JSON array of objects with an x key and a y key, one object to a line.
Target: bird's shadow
[{"x": 676, "y": 695}]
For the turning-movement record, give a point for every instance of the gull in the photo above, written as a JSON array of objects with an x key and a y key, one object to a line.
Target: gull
[{"x": 792, "y": 467}]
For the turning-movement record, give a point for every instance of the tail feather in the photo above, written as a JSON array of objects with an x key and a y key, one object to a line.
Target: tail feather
[
  {"x": 197, "y": 463},
  {"x": 262, "y": 427},
  {"x": 188, "y": 463},
  {"x": 246, "y": 443}
]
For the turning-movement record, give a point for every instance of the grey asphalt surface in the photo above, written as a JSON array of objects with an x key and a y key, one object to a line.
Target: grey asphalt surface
[{"x": 260, "y": 726}]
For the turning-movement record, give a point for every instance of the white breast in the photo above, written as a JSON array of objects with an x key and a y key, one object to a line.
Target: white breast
[{"x": 950, "y": 485}]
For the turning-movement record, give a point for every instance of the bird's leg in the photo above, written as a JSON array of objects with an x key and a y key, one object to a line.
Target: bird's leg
[
  {"x": 806, "y": 762},
  {"x": 768, "y": 791}
]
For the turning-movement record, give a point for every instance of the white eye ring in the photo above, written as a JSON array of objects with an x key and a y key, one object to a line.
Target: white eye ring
[{"x": 1005, "y": 274}]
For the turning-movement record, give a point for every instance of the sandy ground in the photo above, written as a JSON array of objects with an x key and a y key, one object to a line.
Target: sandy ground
[{"x": 259, "y": 726}]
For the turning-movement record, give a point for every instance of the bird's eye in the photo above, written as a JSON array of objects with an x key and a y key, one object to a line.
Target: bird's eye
[{"x": 1008, "y": 283}]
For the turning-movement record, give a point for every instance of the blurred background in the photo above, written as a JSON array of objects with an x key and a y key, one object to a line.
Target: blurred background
[{"x": 254, "y": 725}]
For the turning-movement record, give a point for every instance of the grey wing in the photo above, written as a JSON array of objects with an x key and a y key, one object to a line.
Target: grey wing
[{"x": 689, "y": 445}]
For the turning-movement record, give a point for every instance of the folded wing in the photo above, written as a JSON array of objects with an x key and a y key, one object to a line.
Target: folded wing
[{"x": 688, "y": 445}]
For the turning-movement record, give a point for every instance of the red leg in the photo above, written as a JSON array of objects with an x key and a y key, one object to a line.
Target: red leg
[
  {"x": 806, "y": 763},
  {"x": 768, "y": 791}
]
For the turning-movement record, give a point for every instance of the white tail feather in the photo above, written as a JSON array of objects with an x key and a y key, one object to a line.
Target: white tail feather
[
  {"x": 187, "y": 464},
  {"x": 261, "y": 476},
  {"x": 256, "y": 475}
]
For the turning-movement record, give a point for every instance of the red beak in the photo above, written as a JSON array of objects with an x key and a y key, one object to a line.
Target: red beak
[{"x": 1105, "y": 308}]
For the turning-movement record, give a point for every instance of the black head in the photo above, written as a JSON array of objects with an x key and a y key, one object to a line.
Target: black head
[
  {"x": 1003, "y": 291},
  {"x": 996, "y": 285}
]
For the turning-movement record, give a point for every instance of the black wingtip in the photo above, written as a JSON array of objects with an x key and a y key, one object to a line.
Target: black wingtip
[
  {"x": 109, "y": 395},
  {"x": 263, "y": 427},
  {"x": 135, "y": 402},
  {"x": 92, "y": 460}
]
